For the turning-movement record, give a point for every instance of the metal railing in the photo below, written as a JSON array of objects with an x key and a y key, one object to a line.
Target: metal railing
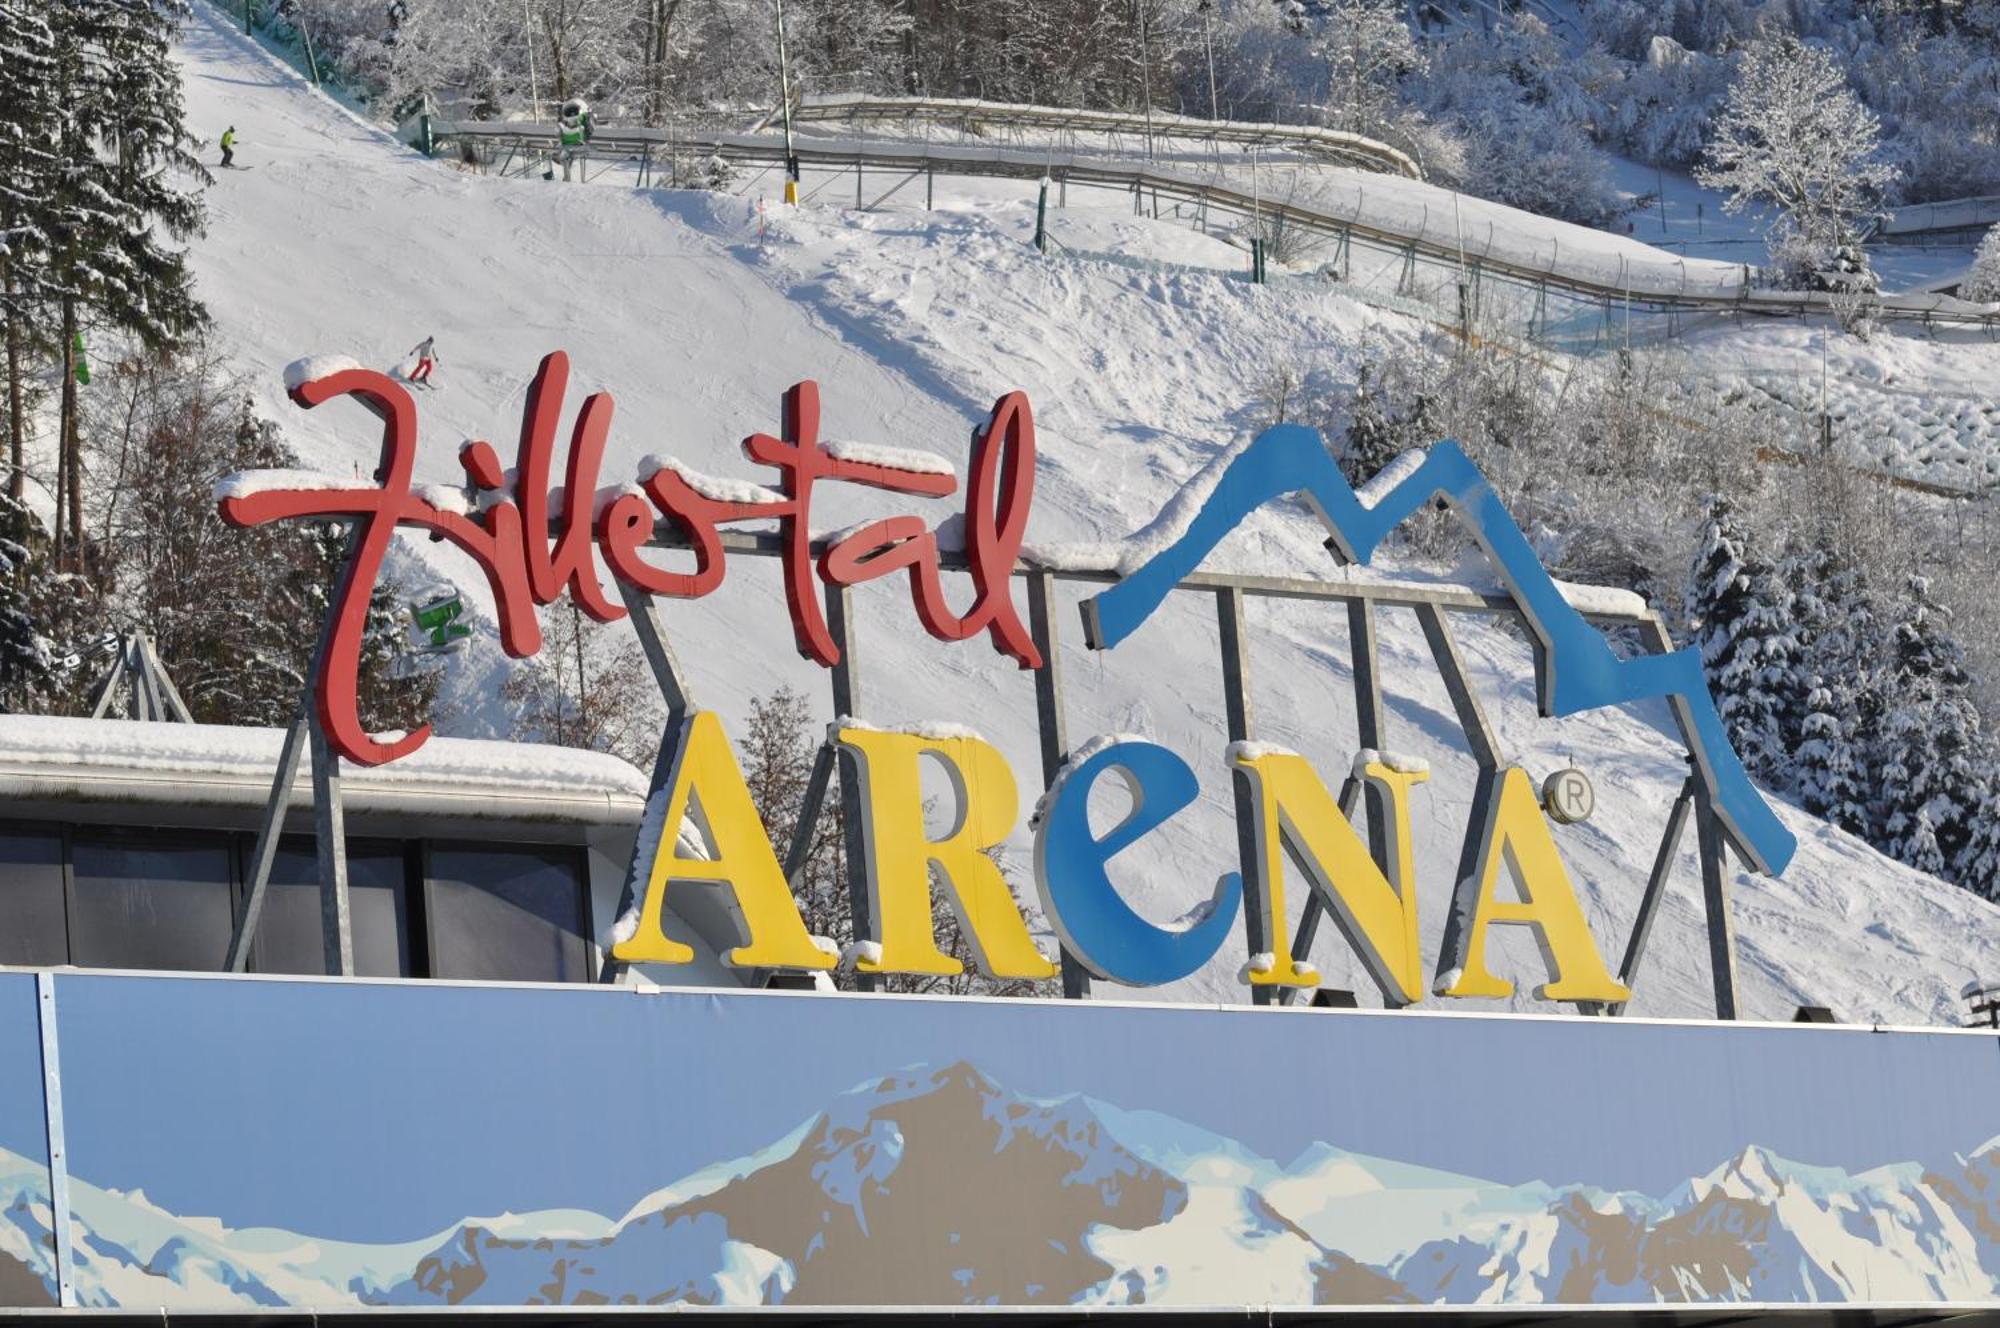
[
  {"x": 1956, "y": 218},
  {"x": 984, "y": 119},
  {"x": 1483, "y": 280}
]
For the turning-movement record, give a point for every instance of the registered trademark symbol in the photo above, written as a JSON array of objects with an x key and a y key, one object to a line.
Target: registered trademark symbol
[{"x": 1568, "y": 797}]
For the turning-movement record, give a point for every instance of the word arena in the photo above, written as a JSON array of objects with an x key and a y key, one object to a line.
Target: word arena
[{"x": 535, "y": 545}]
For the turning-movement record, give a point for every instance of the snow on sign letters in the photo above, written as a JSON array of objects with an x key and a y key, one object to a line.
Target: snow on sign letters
[{"x": 535, "y": 545}]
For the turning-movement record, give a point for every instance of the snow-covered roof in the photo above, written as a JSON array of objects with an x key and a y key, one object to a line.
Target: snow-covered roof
[{"x": 50, "y": 758}]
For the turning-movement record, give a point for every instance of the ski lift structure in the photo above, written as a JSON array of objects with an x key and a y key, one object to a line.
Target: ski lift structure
[{"x": 137, "y": 686}]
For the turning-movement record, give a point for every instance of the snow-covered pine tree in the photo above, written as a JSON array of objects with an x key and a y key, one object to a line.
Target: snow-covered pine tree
[
  {"x": 1828, "y": 782},
  {"x": 28, "y": 659},
  {"x": 27, "y": 182},
  {"x": 1740, "y": 611},
  {"x": 1378, "y": 432},
  {"x": 1840, "y": 656},
  {"x": 1806, "y": 571},
  {"x": 1930, "y": 771},
  {"x": 1978, "y": 866},
  {"x": 123, "y": 152}
]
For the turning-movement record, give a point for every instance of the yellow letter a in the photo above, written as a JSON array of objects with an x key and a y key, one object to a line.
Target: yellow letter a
[
  {"x": 707, "y": 778},
  {"x": 1378, "y": 918},
  {"x": 1514, "y": 833},
  {"x": 899, "y": 856}
]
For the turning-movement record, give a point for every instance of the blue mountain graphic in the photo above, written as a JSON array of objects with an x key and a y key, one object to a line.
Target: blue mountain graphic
[{"x": 1582, "y": 672}]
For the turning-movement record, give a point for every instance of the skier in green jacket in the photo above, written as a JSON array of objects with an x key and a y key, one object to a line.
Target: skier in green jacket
[{"x": 229, "y": 146}]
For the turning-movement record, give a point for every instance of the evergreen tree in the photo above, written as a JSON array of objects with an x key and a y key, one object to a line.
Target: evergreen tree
[
  {"x": 28, "y": 658},
  {"x": 27, "y": 184},
  {"x": 1930, "y": 767},
  {"x": 53, "y": 626},
  {"x": 1377, "y": 432},
  {"x": 1739, "y": 609},
  {"x": 121, "y": 147},
  {"x": 1829, "y": 782},
  {"x": 1978, "y": 866}
]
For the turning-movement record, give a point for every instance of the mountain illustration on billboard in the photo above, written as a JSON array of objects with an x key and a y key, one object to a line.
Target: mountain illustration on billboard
[{"x": 939, "y": 1186}]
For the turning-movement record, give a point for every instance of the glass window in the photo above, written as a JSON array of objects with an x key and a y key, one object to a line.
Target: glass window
[
  {"x": 32, "y": 927},
  {"x": 151, "y": 901},
  {"x": 288, "y": 930},
  {"x": 514, "y": 913}
]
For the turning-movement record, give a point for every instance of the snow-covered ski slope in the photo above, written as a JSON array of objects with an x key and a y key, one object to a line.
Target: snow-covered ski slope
[{"x": 697, "y": 310}]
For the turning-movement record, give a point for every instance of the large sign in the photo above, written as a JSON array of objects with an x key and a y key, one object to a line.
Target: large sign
[
  {"x": 535, "y": 547},
  {"x": 434, "y": 1145}
]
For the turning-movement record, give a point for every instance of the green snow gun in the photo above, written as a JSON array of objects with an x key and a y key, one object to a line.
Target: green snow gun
[{"x": 437, "y": 621}]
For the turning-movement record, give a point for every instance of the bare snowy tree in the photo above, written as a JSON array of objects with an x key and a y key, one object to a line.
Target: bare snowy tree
[
  {"x": 589, "y": 687},
  {"x": 1792, "y": 135}
]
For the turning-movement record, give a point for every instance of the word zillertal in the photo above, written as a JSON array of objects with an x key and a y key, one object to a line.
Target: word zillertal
[{"x": 534, "y": 549}]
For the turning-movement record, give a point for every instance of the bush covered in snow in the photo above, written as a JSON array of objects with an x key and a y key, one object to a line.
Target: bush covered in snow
[{"x": 1982, "y": 283}]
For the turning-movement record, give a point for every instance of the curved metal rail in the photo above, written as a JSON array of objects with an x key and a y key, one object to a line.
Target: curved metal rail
[
  {"x": 1143, "y": 179},
  {"x": 1956, "y": 218},
  {"x": 981, "y": 119}
]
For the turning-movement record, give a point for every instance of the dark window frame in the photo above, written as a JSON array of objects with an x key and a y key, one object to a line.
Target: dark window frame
[
  {"x": 410, "y": 889},
  {"x": 240, "y": 846},
  {"x": 578, "y": 856},
  {"x": 167, "y": 837}
]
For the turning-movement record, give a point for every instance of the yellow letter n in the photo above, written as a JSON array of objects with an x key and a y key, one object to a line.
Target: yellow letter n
[{"x": 1378, "y": 917}]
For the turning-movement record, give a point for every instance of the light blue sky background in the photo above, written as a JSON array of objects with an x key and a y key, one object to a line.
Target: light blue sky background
[
  {"x": 381, "y": 1113},
  {"x": 21, "y": 1125}
]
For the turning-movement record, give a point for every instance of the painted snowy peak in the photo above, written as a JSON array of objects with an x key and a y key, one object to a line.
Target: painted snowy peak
[{"x": 938, "y": 1186}]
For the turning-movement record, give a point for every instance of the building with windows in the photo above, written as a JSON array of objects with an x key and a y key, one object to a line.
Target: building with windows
[{"x": 128, "y": 846}]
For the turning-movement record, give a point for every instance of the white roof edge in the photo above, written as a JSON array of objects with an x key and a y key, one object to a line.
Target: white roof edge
[{"x": 55, "y": 758}]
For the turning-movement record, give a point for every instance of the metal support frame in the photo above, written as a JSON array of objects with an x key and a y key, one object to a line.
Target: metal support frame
[
  {"x": 1479, "y": 735},
  {"x": 1715, "y": 894},
  {"x": 1236, "y": 706},
  {"x": 52, "y": 1115},
  {"x": 1369, "y": 728},
  {"x": 810, "y": 807},
  {"x": 137, "y": 676},
  {"x": 1656, "y": 886},
  {"x": 674, "y": 690},
  {"x": 1054, "y": 731},
  {"x": 336, "y": 913},
  {"x": 1368, "y": 724},
  {"x": 329, "y": 822},
  {"x": 268, "y": 830},
  {"x": 1314, "y": 908},
  {"x": 846, "y": 683}
]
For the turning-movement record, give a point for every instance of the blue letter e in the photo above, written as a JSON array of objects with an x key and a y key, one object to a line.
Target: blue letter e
[{"x": 1095, "y": 923}]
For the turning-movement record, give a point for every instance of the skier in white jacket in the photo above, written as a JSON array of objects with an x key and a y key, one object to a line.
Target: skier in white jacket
[{"x": 427, "y": 359}]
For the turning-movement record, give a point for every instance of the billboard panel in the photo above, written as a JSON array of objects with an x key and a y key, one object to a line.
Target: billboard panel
[
  {"x": 27, "y": 1247},
  {"x": 244, "y": 1142}
]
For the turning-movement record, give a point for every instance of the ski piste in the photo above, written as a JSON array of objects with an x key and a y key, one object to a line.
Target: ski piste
[{"x": 1001, "y": 980}]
